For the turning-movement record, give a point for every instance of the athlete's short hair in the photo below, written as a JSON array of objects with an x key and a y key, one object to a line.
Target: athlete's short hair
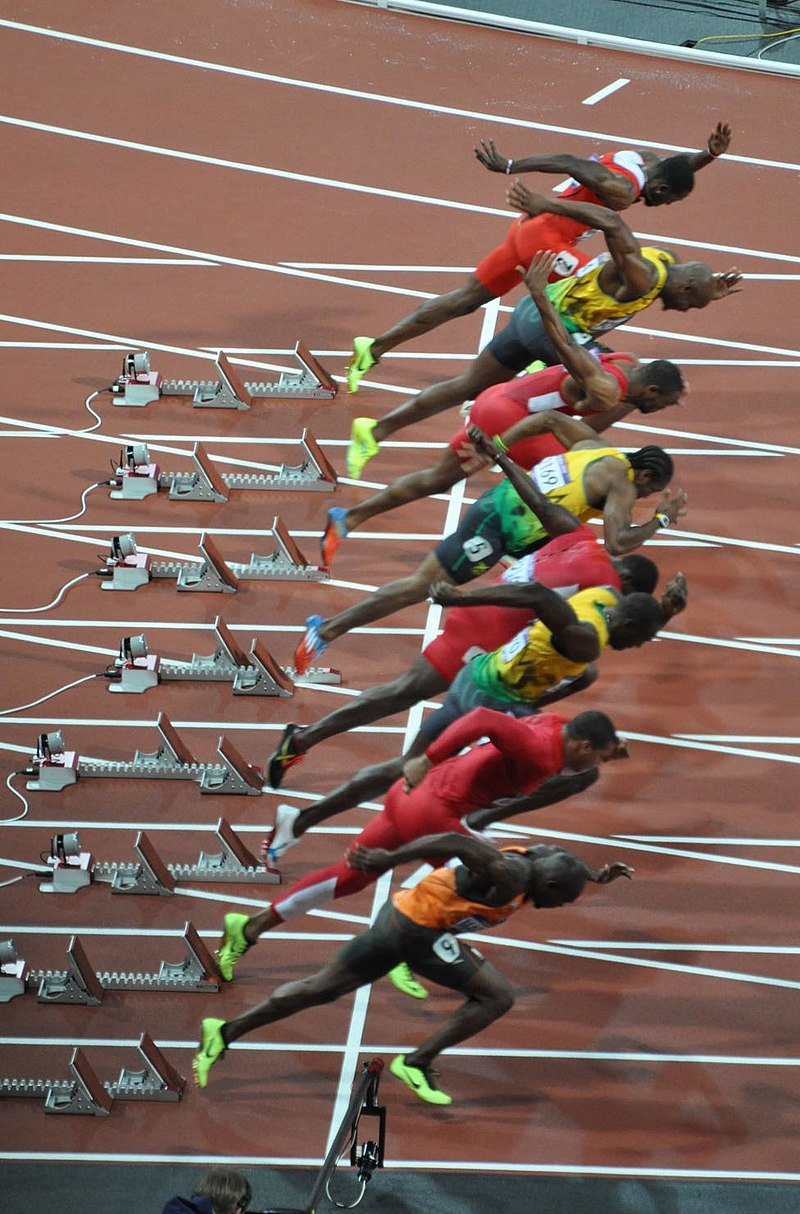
[
  {"x": 643, "y": 611},
  {"x": 677, "y": 173},
  {"x": 655, "y": 461},
  {"x": 640, "y": 573},
  {"x": 664, "y": 375},
  {"x": 594, "y": 727},
  {"x": 229, "y": 1191}
]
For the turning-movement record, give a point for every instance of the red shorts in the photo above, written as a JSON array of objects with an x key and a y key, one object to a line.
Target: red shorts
[
  {"x": 494, "y": 413},
  {"x": 472, "y": 630},
  {"x": 498, "y": 270}
]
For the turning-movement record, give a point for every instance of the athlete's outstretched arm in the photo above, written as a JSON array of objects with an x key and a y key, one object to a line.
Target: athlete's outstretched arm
[
  {"x": 620, "y": 534},
  {"x": 717, "y": 145},
  {"x": 558, "y": 788},
  {"x": 613, "y": 189}
]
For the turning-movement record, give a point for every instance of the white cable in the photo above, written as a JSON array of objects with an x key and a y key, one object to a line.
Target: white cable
[
  {"x": 6, "y": 712},
  {"x": 69, "y": 519},
  {"x": 88, "y": 405},
  {"x": 19, "y": 817},
  {"x": 56, "y": 600},
  {"x": 13, "y": 880}
]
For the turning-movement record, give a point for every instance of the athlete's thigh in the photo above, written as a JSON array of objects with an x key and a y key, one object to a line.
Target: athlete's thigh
[
  {"x": 443, "y": 958},
  {"x": 369, "y": 955}
]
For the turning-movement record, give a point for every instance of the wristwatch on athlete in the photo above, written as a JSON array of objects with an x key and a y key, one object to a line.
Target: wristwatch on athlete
[{"x": 663, "y": 519}]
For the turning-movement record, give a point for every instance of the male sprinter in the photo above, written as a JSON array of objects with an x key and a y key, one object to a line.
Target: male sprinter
[
  {"x": 615, "y": 180},
  {"x": 420, "y": 927}
]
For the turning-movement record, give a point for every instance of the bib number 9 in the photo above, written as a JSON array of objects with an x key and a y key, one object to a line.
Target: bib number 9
[{"x": 446, "y": 948}]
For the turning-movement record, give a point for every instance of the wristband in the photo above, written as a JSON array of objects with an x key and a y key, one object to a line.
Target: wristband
[
  {"x": 663, "y": 519},
  {"x": 498, "y": 442},
  {"x": 510, "y": 162},
  {"x": 713, "y": 155}
]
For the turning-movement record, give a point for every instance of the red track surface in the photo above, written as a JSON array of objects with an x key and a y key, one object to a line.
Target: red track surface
[{"x": 715, "y": 857}]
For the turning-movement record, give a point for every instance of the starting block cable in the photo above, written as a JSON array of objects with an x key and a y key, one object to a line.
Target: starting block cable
[
  {"x": 7, "y": 712},
  {"x": 35, "y": 610},
  {"x": 70, "y": 518},
  {"x": 11, "y": 776},
  {"x": 87, "y": 404}
]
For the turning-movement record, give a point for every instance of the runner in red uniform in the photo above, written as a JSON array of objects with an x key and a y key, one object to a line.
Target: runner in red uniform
[
  {"x": 420, "y": 927},
  {"x": 615, "y": 180}
]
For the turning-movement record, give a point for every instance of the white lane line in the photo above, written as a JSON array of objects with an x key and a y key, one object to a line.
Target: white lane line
[
  {"x": 761, "y": 739},
  {"x": 601, "y": 94},
  {"x": 115, "y": 261},
  {"x": 640, "y": 946},
  {"x": 361, "y": 95}
]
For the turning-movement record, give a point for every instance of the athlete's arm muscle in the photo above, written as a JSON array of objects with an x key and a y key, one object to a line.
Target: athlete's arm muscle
[
  {"x": 557, "y": 788},
  {"x": 613, "y": 189},
  {"x": 482, "y": 859}
]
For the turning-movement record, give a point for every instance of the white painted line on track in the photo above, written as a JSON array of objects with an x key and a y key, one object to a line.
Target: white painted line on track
[
  {"x": 382, "y": 98},
  {"x": 601, "y": 94}
]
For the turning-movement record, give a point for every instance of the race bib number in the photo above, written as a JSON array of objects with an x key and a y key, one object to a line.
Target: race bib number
[
  {"x": 565, "y": 265},
  {"x": 521, "y": 572},
  {"x": 447, "y": 949},
  {"x": 551, "y": 473},
  {"x": 477, "y": 548},
  {"x": 514, "y": 646}
]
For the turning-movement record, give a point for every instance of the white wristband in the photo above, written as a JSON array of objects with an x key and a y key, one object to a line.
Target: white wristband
[
  {"x": 663, "y": 519},
  {"x": 508, "y": 166}
]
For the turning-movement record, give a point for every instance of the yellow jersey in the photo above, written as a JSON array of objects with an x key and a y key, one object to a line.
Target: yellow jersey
[{"x": 583, "y": 305}]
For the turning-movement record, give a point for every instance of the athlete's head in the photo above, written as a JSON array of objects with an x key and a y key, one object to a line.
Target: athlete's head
[
  {"x": 637, "y": 573},
  {"x": 558, "y": 876},
  {"x": 589, "y": 739},
  {"x": 667, "y": 181},
  {"x": 656, "y": 385},
  {"x": 634, "y": 621},
  {"x": 229, "y": 1191},
  {"x": 653, "y": 470},
  {"x": 691, "y": 284}
]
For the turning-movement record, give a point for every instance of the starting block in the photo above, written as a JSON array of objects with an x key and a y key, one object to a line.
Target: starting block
[
  {"x": 234, "y": 863},
  {"x": 250, "y": 674},
  {"x": 172, "y": 761},
  {"x": 136, "y": 481},
  {"x": 80, "y": 983},
  {"x": 84, "y": 1093},
  {"x": 52, "y": 767},
  {"x": 138, "y": 385}
]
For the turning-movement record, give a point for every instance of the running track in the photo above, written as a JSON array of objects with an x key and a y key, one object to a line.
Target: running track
[{"x": 235, "y": 178}]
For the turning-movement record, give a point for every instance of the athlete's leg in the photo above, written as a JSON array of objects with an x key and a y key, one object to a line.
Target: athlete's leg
[
  {"x": 482, "y": 372},
  {"x": 432, "y": 313},
  {"x": 418, "y": 683},
  {"x": 366, "y": 785},
  {"x": 443, "y": 475},
  {"x": 385, "y": 601},
  {"x": 489, "y": 996}
]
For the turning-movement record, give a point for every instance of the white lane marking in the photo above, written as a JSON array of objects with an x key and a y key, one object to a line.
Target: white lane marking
[
  {"x": 361, "y": 95},
  {"x": 116, "y": 261},
  {"x": 601, "y": 94}
]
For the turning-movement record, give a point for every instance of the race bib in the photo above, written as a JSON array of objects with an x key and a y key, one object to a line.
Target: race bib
[
  {"x": 514, "y": 646},
  {"x": 551, "y": 473},
  {"x": 447, "y": 949},
  {"x": 477, "y": 548}
]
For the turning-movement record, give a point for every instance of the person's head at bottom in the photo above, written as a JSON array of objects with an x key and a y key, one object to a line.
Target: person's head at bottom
[{"x": 221, "y": 1191}]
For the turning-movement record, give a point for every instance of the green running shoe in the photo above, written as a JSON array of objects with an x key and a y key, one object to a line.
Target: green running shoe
[
  {"x": 421, "y": 1080},
  {"x": 234, "y": 944},
  {"x": 212, "y": 1047},
  {"x": 402, "y": 977},
  {"x": 361, "y": 362},
  {"x": 536, "y": 365},
  {"x": 362, "y": 446}
]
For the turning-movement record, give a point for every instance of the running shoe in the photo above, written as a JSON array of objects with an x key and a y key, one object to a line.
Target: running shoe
[
  {"x": 212, "y": 1047},
  {"x": 311, "y": 646},
  {"x": 234, "y": 944},
  {"x": 421, "y": 1080},
  {"x": 402, "y": 977},
  {"x": 282, "y": 835},
  {"x": 536, "y": 365},
  {"x": 361, "y": 362},
  {"x": 284, "y": 756},
  {"x": 335, "y": 531},
  {"x": 362, "y": 446}
]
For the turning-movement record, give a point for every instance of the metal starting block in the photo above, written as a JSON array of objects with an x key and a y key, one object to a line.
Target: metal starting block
[
  {"x": 138, "y": 385},
  {"x": 251, "y": 674},
  {"x": 85, "y": 1094},
  {"x": 80, "y": 983},
  {"x": 213, "y": 573},
  {"x": 234, "y": 863},
  {"x": 172, "y": 761},
  {"x": 135, "y": 481}
]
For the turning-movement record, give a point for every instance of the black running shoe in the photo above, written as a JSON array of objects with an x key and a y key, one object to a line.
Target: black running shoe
[{"x": 284, "y": 757}]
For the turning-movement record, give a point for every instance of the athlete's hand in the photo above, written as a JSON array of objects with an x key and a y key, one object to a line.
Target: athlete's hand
[
  {"x": 610, "y": 872},
  {"x": 674, "y": 507},
  {"x": 727, "y": 284},
  {"x": 471, "y": 460},
  {"x": 445, "y": 594},
  {"x": 675, "y": 596},
  {"x": 415, "y": 771},
  {"x": 483, "y": 444},
  {"x": 538, "y": 272},
  {"x": 491, "y": 159},
  {"x": 523, "y": 199},
  {"x": 719, "y": 140},
  {"x": 367, "y": 859}
]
